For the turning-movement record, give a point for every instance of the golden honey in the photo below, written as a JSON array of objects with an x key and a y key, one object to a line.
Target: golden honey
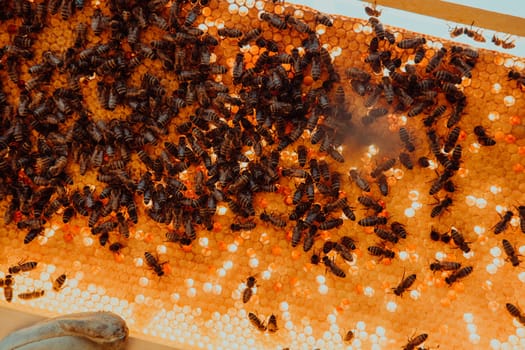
[{"x": 197, "y": 303}]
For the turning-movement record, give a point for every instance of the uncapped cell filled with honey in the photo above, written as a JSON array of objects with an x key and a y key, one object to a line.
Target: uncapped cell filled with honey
[{"x": 258, "y": 175}]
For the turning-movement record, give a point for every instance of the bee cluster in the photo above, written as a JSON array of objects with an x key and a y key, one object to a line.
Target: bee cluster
[{"x": 176, "y": 122}]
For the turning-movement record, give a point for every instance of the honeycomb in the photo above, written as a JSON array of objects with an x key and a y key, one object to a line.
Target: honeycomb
[{"x": 188, "y": 291}]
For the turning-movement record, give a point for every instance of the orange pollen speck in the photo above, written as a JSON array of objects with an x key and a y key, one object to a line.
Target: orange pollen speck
[
  {"x": 222, "y": 246},
  {"x": 295, "y": 254},
  {"x": 278, "y": 286},
  {"x": 445, "y": 302},
  {"x": 294, "y": 281},
  {"x": 166, "y": 267},
  {"x": 515, "y": 120},
  {"x": 148, "y": 238},
  {"x": 187, "y": 248},
  {"x": 510, "y": 138},
  {"x": 288, "y": 200},
  {"x": 68, "y": 237},
  {"x": 521, "y": 151},
  {"x": 118, "y": 257},
  {"x": 217, "y": 227},
  {"x": 462, "y": 136},
  {"x": 518, "y": 168},
  {"x": 276, "y": 250}
]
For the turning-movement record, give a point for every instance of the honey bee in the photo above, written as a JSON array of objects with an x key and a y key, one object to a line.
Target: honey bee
[
  {"x": 382, "y": 167},
  {"x": 514, "y": 311},
  {"x": 504, "y": 43},
  {"x": 272, "y": 324},
  {"x": 511, "y": 253},
  {"x": 359, "y": 181},
  {"x": 273, "y": 19},
  {"x": 459, "y": 274},
  {"x": 370, "y": 203},
  {"x": 22, "y": 267},
  {"x": 435, "y": 60},
  {"x": 404, "y": 284},
  {"x": 273, "y": 219},
  {"x": 348, "y": 336},
  {"x": 230, "y": 32},
  {"x": 248, "y": 291},
  {"x": 324, "y": 19},
  {"x": 503, "y": 223},
  {"x": 59, "y": 282},
  {"x": 404, "y": 158},
  {"x": 520, "y": 79},
  {"x": 243, "y": 226},
  {"x": 381, "y": 252},
  {"x": 154, "y": 264},
  {"x": 411, "y": 43},
  {"x": 399, "y": 229},
  {"x": 415, "y": 341},
  {"x": 440, "y": 207},
  {"x": 386, "y": 235},
  {"x": 331, "y": 224},
  {"x": 483, "y": 138},
  {"x": 459, "y": 241},
  {"x": 372, "y": 11},
  {"x": 372, "y": 221},
  {"x": 521, "y": 213},
  {"x": 257, "y": 322},
  {"x": 456, "y": 31},
  {"x": 330, "y": 265},
  {"x": 444, "y": 266},
  {"x": 32, "y": 295}
]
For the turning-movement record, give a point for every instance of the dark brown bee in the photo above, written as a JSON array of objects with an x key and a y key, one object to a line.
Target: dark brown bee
[
  {"x": 439, "y": 208},
  {"x": 251, "y": 35},
  {"x": 336, "y": 270},
  {"x": 511, "y": 253},
  {"x": 411, "y": 43},
  {"x": 31, "y": 295},
  {"x": 415, "y": 341},
  {"x": 348, "y": 336},
  {"x": 381, "y": 252},
  {"x": 116, "y": 247},
  {"x": 330, "y": 224},
  {"x": 382, "y": 182},
  {"x": 444, "y": 266},
  {"x": 503, "y": 223},
  {"x": 459, "y": 274},
  {"x": 324, "y": 19},
  {"x": 299, "y": 25},
  {"x": 243, "y": 226},
  {"x": 372, "y": 221},
  {"x": 404, "y": 135},
  {"x": 22, "y": 267},
  {"x": 515, "y": 312},
  {"x": 459, "y": 241},
  {"x": 456, "y": 31},
  {"x": 343, "y": 252},
  {"x": 256, "y": 322},
  {"x": 386, "y": 235},
  {"x": 370, "y": 203},
  {"x": 273, "y": 19},
  {"x": 31, "y": 235},
  {"x": 404, "y": 285},
  {"x": 154, "y": 264},
  {"x": 474, "y": 34},
  {"x": 301, "y": 155},
  {"x": 521, "y": 213},
  {"x": 419, "y": 55},
  {"x": 504, "y": 43},
  {"x": 483, "y": 138},
  {"x": 385, "y": 166},
  {"x": 230, "y": 32},
  {"x": 373, "y": 114},
  {"x": 372, "y": 11},
  {"x": 359, "y": 181},
  {"x": 520, "y": 79},
  {"x": 404, "y": 158},
  {"x": 247, "y": 294},
  {"x": 272, "y": 324},
  {"x": 379, "y": 30},
  {"x": 297, "y": 233},
  {"x": 452, "y": 139},
  {"x": 399, "y": 229},
  {"x": 68, "y": 214},
  {"x": 273, "y": 219},
  {"x": 423, "y": 162},
  {"x": 435, "y": 60},
  {"x": 59, "y": 282},
  {"x": 315, "y": 259}
]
